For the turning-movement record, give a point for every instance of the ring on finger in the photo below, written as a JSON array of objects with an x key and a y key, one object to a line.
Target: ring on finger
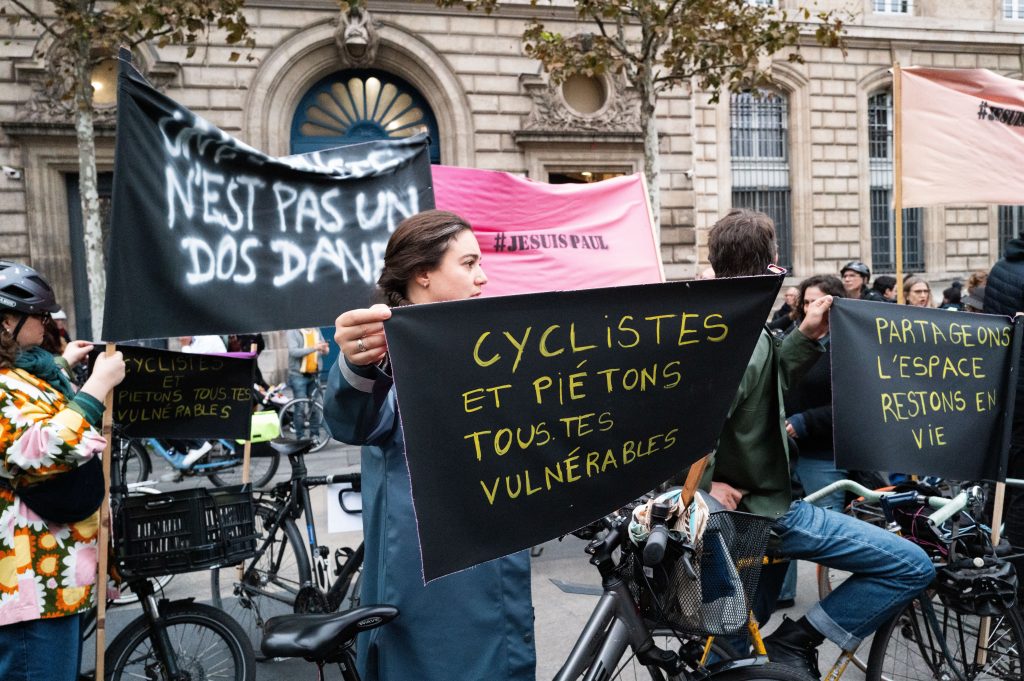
[{"x": 360, "y": 344}]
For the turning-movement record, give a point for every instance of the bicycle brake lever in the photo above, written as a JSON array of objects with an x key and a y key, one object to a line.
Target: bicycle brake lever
[{"x": 688, "y": 562}]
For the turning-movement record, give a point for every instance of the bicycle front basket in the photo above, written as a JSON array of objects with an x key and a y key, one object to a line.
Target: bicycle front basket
[
  {"x": 184, "y": 531},
  {"x": 727, "y": 561}
]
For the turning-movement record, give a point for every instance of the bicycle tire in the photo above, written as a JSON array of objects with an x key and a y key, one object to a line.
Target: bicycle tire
[
  {"x": 905, "y": 648},
  {"x": 261, "y": 468},
  {"x": 307, "y": 422},
  {"x": 270, "y": 583},
  {"x": 769, "y": 671},
  {"x": 208, "y": 644},
  {"x": 134, "y": 460}
]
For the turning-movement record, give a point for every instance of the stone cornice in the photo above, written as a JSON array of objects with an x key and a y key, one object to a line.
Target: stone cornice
[{"x": 52, "y": 129}]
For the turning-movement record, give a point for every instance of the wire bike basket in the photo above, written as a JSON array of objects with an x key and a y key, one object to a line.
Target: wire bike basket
[
  {"x": 184, "y": 531},
  {"x": 727, "y": 561}
]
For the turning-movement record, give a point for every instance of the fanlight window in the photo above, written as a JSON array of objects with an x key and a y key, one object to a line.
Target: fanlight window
[{"x": 352, "y": 107}]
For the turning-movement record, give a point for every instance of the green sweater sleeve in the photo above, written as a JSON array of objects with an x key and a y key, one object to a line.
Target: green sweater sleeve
[{"x": 89, "y": 407}]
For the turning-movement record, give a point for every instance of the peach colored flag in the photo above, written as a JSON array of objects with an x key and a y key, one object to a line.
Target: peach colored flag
[{"x": 963, "y": 137}]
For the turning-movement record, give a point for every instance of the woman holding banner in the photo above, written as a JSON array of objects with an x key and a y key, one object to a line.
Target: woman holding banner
[
  {"x": 52, "y": 485},
  {"x": 470, "y": 626}
]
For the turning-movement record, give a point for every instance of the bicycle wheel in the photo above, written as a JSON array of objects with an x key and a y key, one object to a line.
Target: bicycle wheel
[
  {"x": 907, "y": 648},
  {"x": 263, "y": 463},
  {"x": 134, "y": 460},
  {"x": 304, "y": 419},
  {"x": 270, "y": 583},
  {"x": 206, "y": 643}
]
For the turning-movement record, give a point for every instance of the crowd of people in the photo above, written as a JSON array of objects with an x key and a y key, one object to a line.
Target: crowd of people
[{"x": 783, "y": 406}]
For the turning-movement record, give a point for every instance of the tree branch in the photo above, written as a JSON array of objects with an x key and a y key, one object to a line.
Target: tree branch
[{"x": 35, "y": 18}]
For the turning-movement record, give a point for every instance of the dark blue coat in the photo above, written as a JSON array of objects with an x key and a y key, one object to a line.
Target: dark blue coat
[
  {"x": 1004, "y": 295},
  {"x": 476, "y": 625}
]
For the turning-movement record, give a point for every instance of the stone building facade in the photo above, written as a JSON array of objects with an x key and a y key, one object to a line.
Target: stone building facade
[{"x": 813, "y": 151}]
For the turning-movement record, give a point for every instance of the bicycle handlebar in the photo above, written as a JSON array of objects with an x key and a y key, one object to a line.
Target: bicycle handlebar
[{"x": 946, "y": 508}]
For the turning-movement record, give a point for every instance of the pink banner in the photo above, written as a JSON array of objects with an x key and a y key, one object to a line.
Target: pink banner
[
  {"x": 963, "y": 137},
  {"x": 539, "y": 237}
]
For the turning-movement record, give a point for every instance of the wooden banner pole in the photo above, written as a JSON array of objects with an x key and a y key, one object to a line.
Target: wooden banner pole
[
  {"x": 103, "y": 534},
  {"x": 897, "y": 177}
]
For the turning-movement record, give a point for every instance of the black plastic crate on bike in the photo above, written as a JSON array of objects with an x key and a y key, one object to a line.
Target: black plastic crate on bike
[
  {"x": 184, "y": 531},
  {"x": 727, "y": 561}
]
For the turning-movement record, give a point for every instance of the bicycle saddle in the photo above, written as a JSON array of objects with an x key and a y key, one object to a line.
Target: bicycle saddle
[
  {"x": 292, "y": 447},
  {"x": 318, "y": 636}
]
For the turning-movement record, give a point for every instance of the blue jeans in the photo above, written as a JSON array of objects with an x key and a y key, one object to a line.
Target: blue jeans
[
  {"x": 302, "y": 386},
  {"x": 814, "y": 474},
  {"x": 41, "y": 650},
  {"x": 888, "y": 571}
]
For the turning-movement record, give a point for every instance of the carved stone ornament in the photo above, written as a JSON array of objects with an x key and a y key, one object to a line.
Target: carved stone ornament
[
  {"x": 356, "y": 38},
  {"x": 52, "y": 99},
  {"x": 550, "y": 113}
]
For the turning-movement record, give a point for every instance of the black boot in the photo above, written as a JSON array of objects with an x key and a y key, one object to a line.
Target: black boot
[{"x": 794, "y": 646}]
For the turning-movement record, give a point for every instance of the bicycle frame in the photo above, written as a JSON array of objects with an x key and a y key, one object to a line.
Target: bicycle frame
[
  {"x": 296, "y": 503},
  {"x": 176, "y": 458}
]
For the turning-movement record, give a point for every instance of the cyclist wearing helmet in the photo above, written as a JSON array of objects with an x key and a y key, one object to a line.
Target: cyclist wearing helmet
[
  {"x": 51, "y": 485},
  {"x": 855, "y": 276}
]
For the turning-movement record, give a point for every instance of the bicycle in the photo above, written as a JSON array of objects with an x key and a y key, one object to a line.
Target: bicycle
[
  {"x": 175, "y": 640},
  {"x": 633, "y": 611},
  {"x": 222, "y": 465},
  {"x": 940, "y": 634},
  {"x": 303, "y": 417},
  {"x": 287, "y": 574}
]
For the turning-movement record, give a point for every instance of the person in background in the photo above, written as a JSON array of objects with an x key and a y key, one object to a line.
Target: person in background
[
  {"x": 203, "y": 345},
  {"x": 474, "y": 625},
  {"x": 47, "y": 569},
  {"x": 783, "y": 317},
  {"x": 917, "y": 292},
  {"x": 975, "y": 300},
  {"x": 951, "y": 298},
  {"x": 977, "y": 278},
  {"x": 855, "y": 276},
  {"x": 305, "y": 347},
  {"x": 245, "y": 343},
  {"x": 809, "y": 419},
  {"x": 1004, "y": 295},
  {"x": 885, "y": 286}
]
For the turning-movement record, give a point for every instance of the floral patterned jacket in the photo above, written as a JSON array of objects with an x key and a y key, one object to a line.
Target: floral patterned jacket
[{"x": 46, "y": 569}]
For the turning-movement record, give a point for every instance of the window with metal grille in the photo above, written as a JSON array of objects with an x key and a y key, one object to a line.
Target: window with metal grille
[
  {"x": 883, "y": 217},
  {"x": 759, "y": 142},
  {"x": 1013, "y": 9},
  {"x": 1011, "y": 221},
  {"x": 894, "y": 6}
]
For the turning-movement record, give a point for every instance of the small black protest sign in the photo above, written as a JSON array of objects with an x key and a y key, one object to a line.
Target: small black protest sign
[
  {"x": 526, "y": 417},
  {"x": 921, "y": 391},
  {"x": 179, "y": 395},
  {"x": 211, "y": 236}
]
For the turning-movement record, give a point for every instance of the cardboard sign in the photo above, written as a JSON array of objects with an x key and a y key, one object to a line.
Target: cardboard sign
[
  {"x": 922, "y": 391},
  {"x": 178, "y": 395},
  {"x": 211, "y": 236},
  {"x": 526, "y": 417}
]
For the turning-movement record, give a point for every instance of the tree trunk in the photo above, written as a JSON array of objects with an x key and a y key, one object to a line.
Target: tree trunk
[
  {"x": 95, "y": 263},
  {"x": 652, "y": 164}
]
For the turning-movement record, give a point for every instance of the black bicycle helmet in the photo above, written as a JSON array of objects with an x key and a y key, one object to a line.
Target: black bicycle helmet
[
  {"x": 858, "y": 267},
  {"x": 24, "y": 290},
  {"x": 977, "y": 586}
]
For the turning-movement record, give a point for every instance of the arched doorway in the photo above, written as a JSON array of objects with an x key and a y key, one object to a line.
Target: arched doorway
[{"x": 360, "y": 105}]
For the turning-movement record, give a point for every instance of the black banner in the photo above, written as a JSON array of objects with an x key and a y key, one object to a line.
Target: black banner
[
  {"x": 922, "y": 391},
  {"x": 529, "y": 416},
  {"x": 179, "y": 395},
  {"x": 210, "y": 236}
]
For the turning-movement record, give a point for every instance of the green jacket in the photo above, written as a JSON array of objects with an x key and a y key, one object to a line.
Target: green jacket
[{"x": 752, "y": 452}]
